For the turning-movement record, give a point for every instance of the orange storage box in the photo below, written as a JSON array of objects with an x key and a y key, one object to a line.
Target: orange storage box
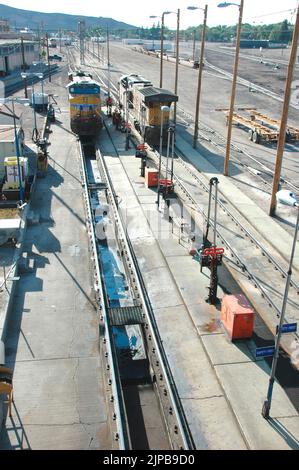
[
  {"x": 151, "y": 177},
  {"x": 237, "y": 316}
]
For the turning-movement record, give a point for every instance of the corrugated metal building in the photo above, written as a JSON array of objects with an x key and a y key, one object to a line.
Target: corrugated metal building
[{"x": 11, "y": 54}]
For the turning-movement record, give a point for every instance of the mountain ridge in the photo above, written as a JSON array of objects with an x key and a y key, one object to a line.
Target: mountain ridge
[{"x": 54, "y": 21}]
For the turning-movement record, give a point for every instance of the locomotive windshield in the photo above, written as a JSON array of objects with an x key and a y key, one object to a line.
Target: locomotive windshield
[{"x": 85, "y": 89}]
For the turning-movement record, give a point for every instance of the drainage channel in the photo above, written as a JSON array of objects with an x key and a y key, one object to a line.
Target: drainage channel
[{"x": 142, "y": 401}]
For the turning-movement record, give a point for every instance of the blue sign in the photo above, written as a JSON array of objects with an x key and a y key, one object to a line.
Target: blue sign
[
  {"x": 289, "y": 328},
  {"x": 265, "y": 352}
]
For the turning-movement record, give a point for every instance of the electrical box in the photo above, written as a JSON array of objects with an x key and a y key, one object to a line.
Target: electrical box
[
  {"x": 237, "y": 316},
  {"x": 151, "y": 178}
]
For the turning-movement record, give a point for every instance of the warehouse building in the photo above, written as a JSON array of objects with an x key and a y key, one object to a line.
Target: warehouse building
[{"x": 11, "y": 55}]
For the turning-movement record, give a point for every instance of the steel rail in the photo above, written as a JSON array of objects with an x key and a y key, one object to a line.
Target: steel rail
[
  {"x": 240, "y": 226},
  {"x": 240, "y": 263},
  {"x": 250, "y": 275},
  {"x": 238, "y": 150},
  {"x": 115, "y": 385},
  {"x": 177, "y": 409}
]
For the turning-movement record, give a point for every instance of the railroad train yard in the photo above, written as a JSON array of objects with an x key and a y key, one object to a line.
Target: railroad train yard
[{"x": 146, "y": 360}]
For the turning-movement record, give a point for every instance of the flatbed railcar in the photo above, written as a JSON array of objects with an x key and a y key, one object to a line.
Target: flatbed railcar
[
  {"x": 144, "y": 102},
  {"x": 85, "y": 104}
]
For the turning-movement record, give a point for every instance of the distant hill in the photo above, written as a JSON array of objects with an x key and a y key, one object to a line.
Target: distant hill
[{"x": 55, "y": 21}]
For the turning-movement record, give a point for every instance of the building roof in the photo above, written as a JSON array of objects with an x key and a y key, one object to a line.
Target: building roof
[
  {"x": 13, "y": 42},
  {"x": 158, "y": 95}
]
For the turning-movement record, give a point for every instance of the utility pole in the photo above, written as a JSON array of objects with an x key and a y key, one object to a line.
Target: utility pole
[
  {"x": 194, "y": 39},
  {"x": 48, "y": 58},
  {"x": 60, "y": 39},
  {"x": 284, "y": 118},
  {"x": 162, "y": 49},
  {"x": 195, "y": 137},
  {"x": 108, "y": 62},
  {"x": 108, "y": 48},
  {"x": 234, "y": 88},
  {"x": 177, "y": 64},
  {"x": 24, "y": 67},
  {"x": 81, "y": 26}
]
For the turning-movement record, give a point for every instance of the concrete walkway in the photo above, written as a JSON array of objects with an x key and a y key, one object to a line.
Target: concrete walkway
[
  {"x": 221, "y": 385},
  {"x": 52, "y": 340}
]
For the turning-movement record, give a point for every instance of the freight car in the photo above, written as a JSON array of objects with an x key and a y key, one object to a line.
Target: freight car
[
  {"x": 85, "y": 104},
  {"x": 143, "y": 102}
]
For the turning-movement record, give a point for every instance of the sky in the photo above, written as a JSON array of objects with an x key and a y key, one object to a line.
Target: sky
[{"x": 137, "y": 12}]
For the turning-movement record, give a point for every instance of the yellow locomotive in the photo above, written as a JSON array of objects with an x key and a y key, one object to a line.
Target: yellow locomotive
[
  {"x": 85, "y": 104},
  {"x": 144, "y": 103}
]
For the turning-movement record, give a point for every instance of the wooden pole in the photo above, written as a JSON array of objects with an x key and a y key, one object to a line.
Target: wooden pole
[
  {"x": 195, "y": 137},
  {"x": 194, "y": 39},
  {"x": 284, "y": 118},
  {"x": 233, "y": 95}
]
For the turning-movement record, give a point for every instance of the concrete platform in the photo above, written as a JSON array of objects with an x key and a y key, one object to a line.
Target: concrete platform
[
  {"x": 196, "y": 346},
  {"x": 52, "y": 339}
]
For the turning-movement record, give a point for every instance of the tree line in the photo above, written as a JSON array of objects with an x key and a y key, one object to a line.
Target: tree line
[{"x": 278, "y": 32}]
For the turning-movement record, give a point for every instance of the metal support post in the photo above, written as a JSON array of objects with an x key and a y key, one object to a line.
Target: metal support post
[
  {"x": 126, "y": 121},
  {"x": 172, "y": 154},
  {"x": 143, "y": 167},
  {"x": 268, "y": 401},
  {"x": 21, "y": 192},
  {"x": 34, "y": 110},
  {"x": 213, "y": 181},
  {"x": 160, "y": 158}
]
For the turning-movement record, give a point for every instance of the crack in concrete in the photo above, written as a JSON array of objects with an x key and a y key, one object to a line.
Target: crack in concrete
[{"x": 202, "y": 398}]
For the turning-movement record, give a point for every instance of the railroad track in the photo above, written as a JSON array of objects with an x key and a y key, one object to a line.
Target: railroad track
[
  {"x": 158, "y": 378},
  {"x": 258, "y": 169},
  {"x": 193, "y": 190},
  {"x": 273, "y": 267}
]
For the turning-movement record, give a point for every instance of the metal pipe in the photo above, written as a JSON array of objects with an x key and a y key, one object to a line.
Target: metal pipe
[
  {"x": 268, "y": 401},
  {"x": 167, "y": 153},
  {"x": 172, "y": 155},
  {"x": 215, "y": 213},
  {"x": 33, "y": 105},
  {"x": 18, "y": 153}
]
